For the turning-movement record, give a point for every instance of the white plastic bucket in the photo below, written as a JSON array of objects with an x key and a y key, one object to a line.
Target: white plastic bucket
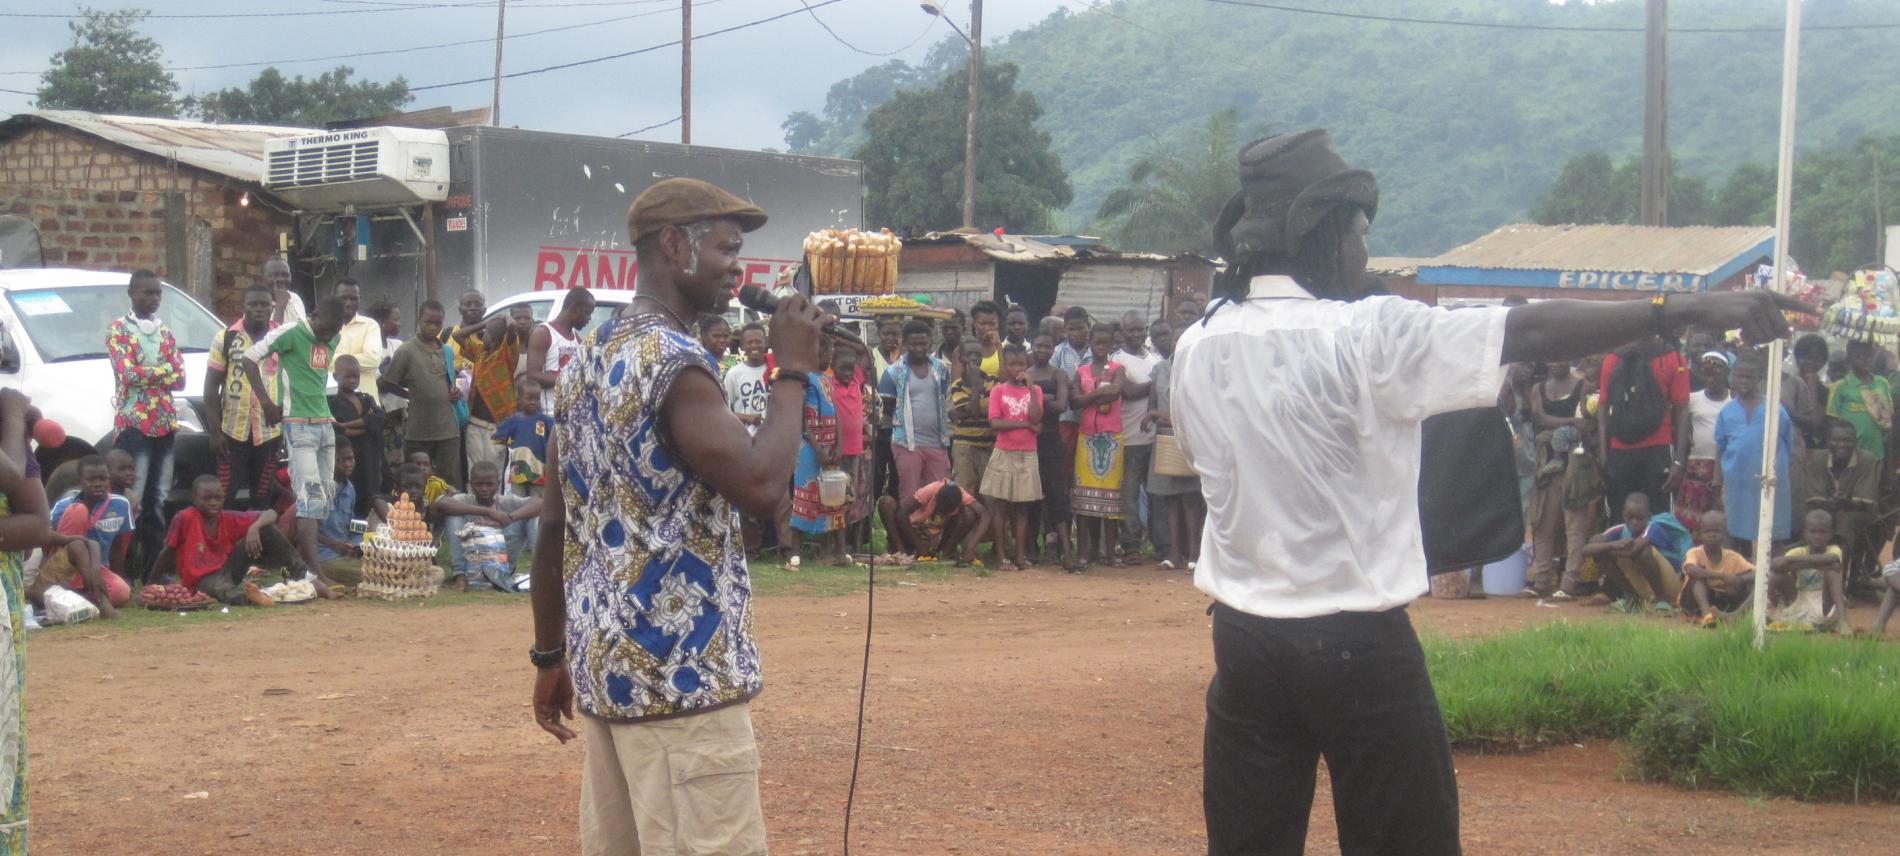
[{"x": 834, "y": 487}]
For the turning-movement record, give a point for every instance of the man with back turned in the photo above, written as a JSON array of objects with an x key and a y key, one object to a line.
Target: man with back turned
[{"x": 1312, "y": 547}]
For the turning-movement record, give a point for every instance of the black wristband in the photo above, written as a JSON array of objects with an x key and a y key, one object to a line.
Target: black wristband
[
  {"x": 792, "y": 374},
  {"x": 547, "y": 659}
]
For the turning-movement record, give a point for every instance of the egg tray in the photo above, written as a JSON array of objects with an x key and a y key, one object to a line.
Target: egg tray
[{"x": 398, "y": 570}]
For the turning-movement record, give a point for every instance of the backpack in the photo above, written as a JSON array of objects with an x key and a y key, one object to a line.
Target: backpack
[{"x": 1637, "y": 404}]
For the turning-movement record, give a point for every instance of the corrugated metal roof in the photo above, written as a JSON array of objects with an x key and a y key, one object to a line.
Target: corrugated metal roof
[
  {"x": 1393, "y": 265},
  {"x": 1039, "y": 250},
  {"x": 232, "y": 150},
  {"x": 1696, "y": 250}
]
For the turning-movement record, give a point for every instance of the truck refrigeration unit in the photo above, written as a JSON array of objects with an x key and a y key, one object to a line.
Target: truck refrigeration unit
[{"x": 413, "y": 214}]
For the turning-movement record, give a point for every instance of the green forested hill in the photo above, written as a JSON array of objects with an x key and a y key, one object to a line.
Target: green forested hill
[{"x": 1465, "y": 126}]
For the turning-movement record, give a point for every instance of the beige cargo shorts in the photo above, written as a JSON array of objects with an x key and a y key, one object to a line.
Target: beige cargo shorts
[{"x": 687, "y": 786}]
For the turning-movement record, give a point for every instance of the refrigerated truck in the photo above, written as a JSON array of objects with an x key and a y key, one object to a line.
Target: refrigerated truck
[{"x": 527, "y": 211}]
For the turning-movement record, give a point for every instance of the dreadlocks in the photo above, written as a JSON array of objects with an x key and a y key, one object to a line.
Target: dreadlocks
[{"x": 1315, "y": 266}]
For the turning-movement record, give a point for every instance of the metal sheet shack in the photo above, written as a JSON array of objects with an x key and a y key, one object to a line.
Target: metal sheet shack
[
  {"x": 957, "y": 269},
  {"x": 1599, "y": 262}
]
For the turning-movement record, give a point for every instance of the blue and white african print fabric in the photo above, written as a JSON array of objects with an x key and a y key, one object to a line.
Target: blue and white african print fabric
[{"x": 659, "y": 615}]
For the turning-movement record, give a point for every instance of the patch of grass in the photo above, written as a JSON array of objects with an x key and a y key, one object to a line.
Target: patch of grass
[
  {"x": 1812, "y": 717},
  {"x": 817, "y": 579},
  {"x": 138, "y": 618}
]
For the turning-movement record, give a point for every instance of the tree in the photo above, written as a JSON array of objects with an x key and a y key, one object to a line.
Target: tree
[
  {"x": 1834, "y": 228},
  {"x": 840, "y": 128},
  {"x": 272, "y": 99},
  {"x": 1174, "y": 193},
  {"x": 913, "y": 159},
  {"x": 1591, "y": 189},
  {"x": 110, "y": 68}
]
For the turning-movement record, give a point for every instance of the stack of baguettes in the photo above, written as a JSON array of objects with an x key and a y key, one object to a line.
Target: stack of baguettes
[{"x": 847, "y": 261}]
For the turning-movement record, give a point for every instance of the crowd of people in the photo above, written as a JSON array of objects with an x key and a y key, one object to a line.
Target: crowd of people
[
  {"x": 977, "y": 436},
  {"x": 1668, "y": 437},
  {"x": 1053, "y": 445},
  {"x": 452, "y": 419}
]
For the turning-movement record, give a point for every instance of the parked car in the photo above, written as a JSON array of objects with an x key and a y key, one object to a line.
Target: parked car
[{"x": 53, "y": 348}]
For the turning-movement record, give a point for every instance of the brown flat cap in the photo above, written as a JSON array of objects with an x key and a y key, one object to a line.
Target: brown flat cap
[{"x": 678, "y": 201}]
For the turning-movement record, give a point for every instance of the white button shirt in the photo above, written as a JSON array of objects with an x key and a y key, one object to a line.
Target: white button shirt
[{"x": 1302, "y": 418}]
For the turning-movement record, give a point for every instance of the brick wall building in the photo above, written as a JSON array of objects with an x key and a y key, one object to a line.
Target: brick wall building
[{"x": 121, "y": 193}]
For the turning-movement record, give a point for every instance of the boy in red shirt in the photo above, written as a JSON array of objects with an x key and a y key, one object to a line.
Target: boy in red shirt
[{"x": 202, "y": 547}]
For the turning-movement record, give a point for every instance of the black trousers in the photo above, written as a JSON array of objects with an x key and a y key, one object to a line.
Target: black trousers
[
  {"x": 1641, "y": 471},
  {"x": 248, "y": 468},
  {"x": 884, "y": 466},
  {"x": 1351, "y": 687},
  {"x": 227, "y": 583}
]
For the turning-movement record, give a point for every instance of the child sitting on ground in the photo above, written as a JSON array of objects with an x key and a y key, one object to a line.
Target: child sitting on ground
[
  {"x": 1641, "y": 558},
  {"x": 487, "y": 505},
  {"x": 433, "y": 486},
  {"x": 124, "y": 473},
  {"x": 411, "y": 480},
  {"x": 1805, "y": 585},
  {"x": 201, "y": 547},
  {"x": 335, "y": 540},
  {"x": 90, "y": 532},
  {"x": 525, "y": 436},
  {"x": 939, "y": 518},
  {"x": 1715, "y": 577}
]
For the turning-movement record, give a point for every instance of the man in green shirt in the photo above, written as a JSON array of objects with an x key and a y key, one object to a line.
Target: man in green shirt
[
  {"x": 1864, "y": 400},
  {"x": 305, "y": 350}
]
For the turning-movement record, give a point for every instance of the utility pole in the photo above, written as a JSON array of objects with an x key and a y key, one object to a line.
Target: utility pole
[
  {"x": 969, "y": 132},
  {"x": 686, "y": 72},
  {"x": 1880, "y": 212},
  {"x": 494, "y": 108},
  {"x": 1656, "y": 114}
]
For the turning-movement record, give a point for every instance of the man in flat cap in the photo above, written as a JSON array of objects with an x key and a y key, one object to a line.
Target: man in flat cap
[
  {"x": 642, "y": 603},
  {"x": 1312, "y": 547}
]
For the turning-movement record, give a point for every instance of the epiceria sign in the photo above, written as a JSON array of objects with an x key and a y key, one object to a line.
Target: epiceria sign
[
  {"x": 1625, "y": 281},
  {"x": 558, "y": 268}
]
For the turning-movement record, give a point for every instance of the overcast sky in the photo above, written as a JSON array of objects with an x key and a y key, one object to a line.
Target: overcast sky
[{"x": 745, "y": 82}]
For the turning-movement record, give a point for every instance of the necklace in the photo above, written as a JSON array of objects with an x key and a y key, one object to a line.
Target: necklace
[{"x": 667, "y": 309}]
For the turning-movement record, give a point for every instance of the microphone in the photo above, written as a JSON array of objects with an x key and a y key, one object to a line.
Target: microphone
[{"x": 758, "y": 299}]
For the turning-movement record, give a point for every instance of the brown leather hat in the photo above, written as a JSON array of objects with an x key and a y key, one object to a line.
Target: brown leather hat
[
  {"x": 678, "y": 201},
  {"x": 1287, "y": 183}
]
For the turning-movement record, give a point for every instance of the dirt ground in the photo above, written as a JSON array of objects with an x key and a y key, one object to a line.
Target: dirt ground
[{"x": 1033, "y": 713}]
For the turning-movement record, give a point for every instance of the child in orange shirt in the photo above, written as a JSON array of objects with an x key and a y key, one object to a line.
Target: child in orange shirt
[{"x": 1716, "y": 577}]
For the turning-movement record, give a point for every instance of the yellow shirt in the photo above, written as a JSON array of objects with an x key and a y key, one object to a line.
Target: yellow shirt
[{"x": 362, "y": 338}]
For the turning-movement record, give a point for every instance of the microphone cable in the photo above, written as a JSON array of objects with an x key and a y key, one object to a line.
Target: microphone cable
[{"x": 864, "y": 677}]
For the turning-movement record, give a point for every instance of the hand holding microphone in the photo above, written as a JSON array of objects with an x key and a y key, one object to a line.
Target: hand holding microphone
[
  {"x": 760, "y": 300},
  {"x": 796, "y": 326}
]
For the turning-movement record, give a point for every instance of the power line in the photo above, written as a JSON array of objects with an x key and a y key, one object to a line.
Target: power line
[
  {"x": 623, "y": 54},
  {"x": 480, "y": 41},
  {"x": 653, "y": 127},
  {"x": 1492, "y": 25},
  {"x": 841, "y": 40},
  {"x": 368, "y": 9}
]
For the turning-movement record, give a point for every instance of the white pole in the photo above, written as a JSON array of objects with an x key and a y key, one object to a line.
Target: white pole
[{"x": 1771, "y": 403}]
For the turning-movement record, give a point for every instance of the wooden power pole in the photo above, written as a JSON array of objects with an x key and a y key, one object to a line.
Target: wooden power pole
[
  {"x": 1656, "y": 114},
  {"x": 969, "y": 131},
  {"x": 686, "y": 71},
  {"x": 494, "y": 108}
]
